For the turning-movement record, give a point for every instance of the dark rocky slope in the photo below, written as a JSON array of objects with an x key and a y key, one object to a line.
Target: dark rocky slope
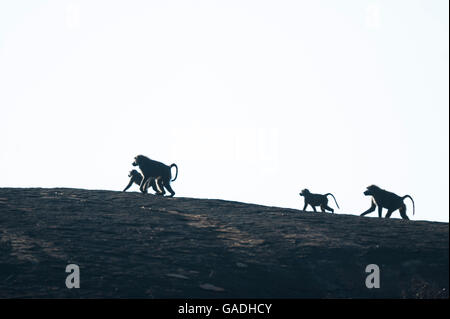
[{"x": 134, "y": 245}]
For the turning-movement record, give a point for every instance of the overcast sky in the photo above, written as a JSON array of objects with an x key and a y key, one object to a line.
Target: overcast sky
[{"x": 253, "y": 100}]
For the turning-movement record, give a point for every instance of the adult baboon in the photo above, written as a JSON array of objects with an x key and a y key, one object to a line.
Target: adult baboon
[
  {"x": 317, "y": 200},
  {"x": 385, "y": 199},
  {"x": 156, "y": 170},
  {"x": 136, "y": 177}
]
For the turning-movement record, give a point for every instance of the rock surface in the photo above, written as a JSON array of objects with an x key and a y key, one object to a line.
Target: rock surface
[{"x": 130, "y": 245}]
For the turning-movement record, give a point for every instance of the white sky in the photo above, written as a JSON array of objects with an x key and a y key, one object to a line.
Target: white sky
[{"x": 253, "y": 100}]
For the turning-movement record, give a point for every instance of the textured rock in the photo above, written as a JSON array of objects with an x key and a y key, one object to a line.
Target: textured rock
[{"x": 135, "y": 245}]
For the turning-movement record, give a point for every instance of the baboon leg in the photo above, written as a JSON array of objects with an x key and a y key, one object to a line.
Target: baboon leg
[
  {"x": 322, "y": 208},
  {"x": 304, "y": 207},
  {"x": 403, "y": 212},
  {"x": 145, "y": 188},
  {"x": 159, "y": 187},
  {"x": 380, "y": 211},
  {"x": 371, "y": 209},
  {"x": 142, "y": 187},
  {"x": 166, "y": 183},
  {"x": 154, "y": 187},
  {"x": 129, "y": 185},
  {"x": 389, "y": 213},
  {"x": 314, "y": 208},
  {"x": 150, "y": 183},
  {"x": 329, "y": 208},
  {"x": 147, "y": 185}
]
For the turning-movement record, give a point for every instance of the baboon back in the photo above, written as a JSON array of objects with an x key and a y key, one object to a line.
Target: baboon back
[
  {"x": 154, "y": 168},
  {"x": 318, "y": 199},
  {"x": 387, "y": 199}
]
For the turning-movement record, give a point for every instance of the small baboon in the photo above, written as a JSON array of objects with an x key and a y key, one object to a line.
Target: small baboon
[
  {"x": 385, "y": 199},
  {"x": 317, "y": 200},
  {"x": 136, "y": 177},
  {"x": 156, "y": 170}
]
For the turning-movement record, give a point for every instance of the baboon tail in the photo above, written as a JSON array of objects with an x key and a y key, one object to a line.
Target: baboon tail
[
  {"x": 407, "y": 196},
  {"x": 176, "y": 174},
  {"x": 333, "y": 198}
]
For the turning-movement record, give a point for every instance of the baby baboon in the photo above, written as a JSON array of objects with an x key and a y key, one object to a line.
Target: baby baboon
[
  {"x": 317, "y": 200},
  {"x": 385, "y": 199},
  {"x": 156, "y": 170},
  {"x": 136, "y": 177}
]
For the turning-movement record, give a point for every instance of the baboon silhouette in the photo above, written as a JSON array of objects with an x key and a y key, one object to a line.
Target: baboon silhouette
[
  {"x": 136, "y": 177},
  {"x": 156, "y": 170},
  {"x": 385, "y": 199},
  {"x": 317, "y": 200}
]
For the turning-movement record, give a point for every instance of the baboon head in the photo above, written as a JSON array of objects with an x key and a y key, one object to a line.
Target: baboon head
[
  {"x": 371, "y": 190},
  {"x": 305, "y": 192},
  {"x": 133, "y": 173},
  {"x": 137, "y": 160}
]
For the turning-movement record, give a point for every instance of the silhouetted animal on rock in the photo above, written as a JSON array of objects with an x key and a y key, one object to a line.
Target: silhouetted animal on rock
[
  {"x": 385, "y": 199},
  {"x": 317, "y": 200},
  {"x": 155, "y": 170},
  {"x": 136, "y": 178}
]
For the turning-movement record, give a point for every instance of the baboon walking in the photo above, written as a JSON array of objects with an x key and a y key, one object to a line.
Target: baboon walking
[
  {"x": 385, "y": 199},
  {"x": 156, "y": 170},
  {"x": 136, "y": 178},
  {"x": 317, "y": 200}
]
